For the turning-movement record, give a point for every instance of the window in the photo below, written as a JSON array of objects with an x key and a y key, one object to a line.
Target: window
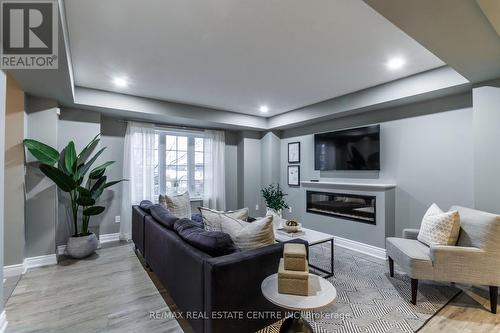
[{"x": 181, "y": 163}]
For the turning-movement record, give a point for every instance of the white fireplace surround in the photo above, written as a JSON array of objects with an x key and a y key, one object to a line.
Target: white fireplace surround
[{"x": 367, "y": 237}]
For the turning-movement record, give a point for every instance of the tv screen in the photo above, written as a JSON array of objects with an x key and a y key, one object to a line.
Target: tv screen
[{"x": 351, "y": 149}]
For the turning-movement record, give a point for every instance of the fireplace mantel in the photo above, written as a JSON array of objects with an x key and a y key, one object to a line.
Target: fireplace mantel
[{"x": 352, "y": 185}]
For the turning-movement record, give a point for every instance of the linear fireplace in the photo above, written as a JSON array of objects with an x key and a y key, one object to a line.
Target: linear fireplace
[{"x": 354, "y": 207}]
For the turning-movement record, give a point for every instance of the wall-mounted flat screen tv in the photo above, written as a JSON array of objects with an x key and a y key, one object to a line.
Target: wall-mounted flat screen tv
[{"x": 350, "y": 149}]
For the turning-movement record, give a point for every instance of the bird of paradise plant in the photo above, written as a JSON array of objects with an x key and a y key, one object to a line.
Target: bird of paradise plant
[{"x": 68, "y": 170}]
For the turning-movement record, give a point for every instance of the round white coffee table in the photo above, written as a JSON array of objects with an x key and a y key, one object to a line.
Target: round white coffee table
[{"x": 321, "y": 293}]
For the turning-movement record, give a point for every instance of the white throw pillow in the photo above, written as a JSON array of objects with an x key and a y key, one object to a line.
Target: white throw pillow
[
  {"x": 249, "y": 235},
  {"x": 212, "y": 217},
  {"x": 439, "y": 228},
  {"x": 179, "y": 205}
]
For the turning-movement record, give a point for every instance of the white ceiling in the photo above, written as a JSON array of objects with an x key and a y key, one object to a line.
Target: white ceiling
[{"x": 236, "y": 55}]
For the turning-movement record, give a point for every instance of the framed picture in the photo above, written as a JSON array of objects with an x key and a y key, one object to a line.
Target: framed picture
[
  {"x": 293, "y": 175},
  {"x": 294, "y": 152}
]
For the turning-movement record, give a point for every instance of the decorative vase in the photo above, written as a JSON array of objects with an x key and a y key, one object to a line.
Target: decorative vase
[
  {"x": 270, "y": 211},
  {"x": 83, "y": 246}
]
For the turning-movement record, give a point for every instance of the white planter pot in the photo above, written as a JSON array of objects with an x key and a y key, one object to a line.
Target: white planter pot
[
  {"x": 277, "y": 217},
  {"x": 81, "y": 247},
  {"x": 270, "y": 211}
]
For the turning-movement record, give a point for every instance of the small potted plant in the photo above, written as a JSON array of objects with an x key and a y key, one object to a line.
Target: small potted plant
[
  {"x": 275, "y": 199},
  {"x": 72, "y": 174}
]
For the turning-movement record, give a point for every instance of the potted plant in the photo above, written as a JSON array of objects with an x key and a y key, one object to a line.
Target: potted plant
[
  {"x": 275, "y": 199},
  {"x": 72, "y": 173}
]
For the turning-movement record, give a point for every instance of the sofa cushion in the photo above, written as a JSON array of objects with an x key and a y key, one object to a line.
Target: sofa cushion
[
  {"x": 439, "y": 228},
  {"x": 163, "y": 216},
  {"x": 146, "y": 206},
  {"x": 248, "y": 235},
  {"x": 179, "y": 205},
  {"x": 412, "y": 255},
  {"x": 214, "y": 243},
  {"x": 212, "y": 218}
]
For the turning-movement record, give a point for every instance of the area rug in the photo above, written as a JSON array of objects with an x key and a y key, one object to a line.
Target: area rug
[{"x": 369, "y": 300}]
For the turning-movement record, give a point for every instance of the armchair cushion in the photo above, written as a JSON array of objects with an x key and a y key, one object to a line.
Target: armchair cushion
[{"x": 412, "y": 255}]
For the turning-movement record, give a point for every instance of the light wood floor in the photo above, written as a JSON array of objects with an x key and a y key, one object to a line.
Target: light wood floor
[
  {"x": 469, "y": 312},
  {"x": 111, "y": 292},
  {"x": 108, "y": 292}
]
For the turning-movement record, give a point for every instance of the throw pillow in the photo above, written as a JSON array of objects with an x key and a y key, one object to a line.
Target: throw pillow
[
  {"x": 163, "y": 216},
  {"x": 248, "y": 235},
  {"x": 212, "y": 217},
  {"x": 214, "y": 243},
  {"x": 439, "y": 228},
  {"x": 179, "y": 205},
  {"x": 146, "y": 205}
]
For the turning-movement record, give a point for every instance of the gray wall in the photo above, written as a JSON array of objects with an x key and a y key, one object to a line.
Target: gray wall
[
  {"x": 428, "y": 156},
  {"x": 112, "y": 137},
  {"x": 2, "y": 170},
  {"x": 41, "y": 193},
  {"x": 270, "y": 158},
  {"x": 14, "y": 175},
  {"x": 231, "y": 170},
  {"x": 80, "y": 127},
  {"x": 486, "y": 148},
  {"x": 250, "y": 172}
]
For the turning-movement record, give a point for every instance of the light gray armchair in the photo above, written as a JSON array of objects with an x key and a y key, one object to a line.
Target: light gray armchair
[{"x": 474, "y": 260}]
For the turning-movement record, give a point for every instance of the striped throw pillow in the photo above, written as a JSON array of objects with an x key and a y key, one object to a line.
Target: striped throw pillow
[
  {"x": 249, "y": 235},
  {"x": 179, "y": 205},
  {"x": 212, "y": 217}
]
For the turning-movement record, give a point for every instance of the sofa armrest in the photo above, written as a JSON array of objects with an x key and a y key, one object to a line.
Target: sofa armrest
[
  {"x": 443, "y": 254},
  {"x": 232, "y": 283},
  {"x": 410, "y": 233}
]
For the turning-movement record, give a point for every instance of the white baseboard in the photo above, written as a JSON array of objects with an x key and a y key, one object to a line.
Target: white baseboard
[
  {"x": 13, "y": 270},
  {"x": 3, "y": 322},
  {"x": 367, "y": 249},
  {"x": 105, "y": 238},
  {"x": 50, "y": 259},
  {"x": 20, "y": 269}
]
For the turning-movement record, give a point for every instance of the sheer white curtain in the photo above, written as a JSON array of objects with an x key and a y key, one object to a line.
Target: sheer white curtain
[
  {"x": 214, "y": 192},
  {"x": 138, "y": 167}
]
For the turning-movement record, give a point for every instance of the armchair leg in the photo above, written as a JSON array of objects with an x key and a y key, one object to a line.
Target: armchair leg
[
  {"x": 414, "y": 288},
  {"x": 391, "y": 267},
  {"x": 493, "y": 298}
]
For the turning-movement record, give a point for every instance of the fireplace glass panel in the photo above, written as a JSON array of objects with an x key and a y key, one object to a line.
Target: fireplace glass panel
[{"x": 359, "y": 208}]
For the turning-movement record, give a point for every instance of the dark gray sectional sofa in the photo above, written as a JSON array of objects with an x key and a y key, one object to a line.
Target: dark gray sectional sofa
[{"x": 204, "y": 287}]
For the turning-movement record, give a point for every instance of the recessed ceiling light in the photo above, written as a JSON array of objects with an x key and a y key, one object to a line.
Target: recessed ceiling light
[
  {"x": 264, "y": 108},
  {"x": 120, "y": 82},
  {"x": 395, "y": 63}
]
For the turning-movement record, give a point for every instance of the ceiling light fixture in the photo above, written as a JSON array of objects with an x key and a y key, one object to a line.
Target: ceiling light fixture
[
  {"x": 120, "y": 82},
  {"x": 395, "y": 63},
  {"x": 264, "y": 108}
]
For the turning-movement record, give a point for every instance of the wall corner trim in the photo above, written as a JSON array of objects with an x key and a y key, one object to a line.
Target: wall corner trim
[
  {"x": 367, "y": 249},
  {"x": 3, "y": 322}
]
